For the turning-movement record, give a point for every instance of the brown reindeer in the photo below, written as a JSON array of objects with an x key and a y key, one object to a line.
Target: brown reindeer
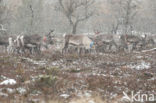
[
  {"x": 31, "y": 43},
  {"x": 80, "y": 41},
  {"x": 106, "y": 42},
  {"x": 4, "y": 41}
]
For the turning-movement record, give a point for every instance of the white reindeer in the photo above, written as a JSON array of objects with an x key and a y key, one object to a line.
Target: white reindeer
[
  {"x": 11, "y": 47},
  {"x": 18, "y": 44}
]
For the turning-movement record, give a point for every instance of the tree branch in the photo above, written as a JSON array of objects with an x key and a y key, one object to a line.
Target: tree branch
[{"x": 70, "y": 8}]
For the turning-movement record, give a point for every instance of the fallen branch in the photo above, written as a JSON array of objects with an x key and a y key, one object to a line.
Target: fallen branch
[
  {"x": 153, "y": 49},
  {"x": 34, "y": 61}
]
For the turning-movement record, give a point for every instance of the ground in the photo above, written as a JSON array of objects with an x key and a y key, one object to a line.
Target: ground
[{"x": 55, "y": 78}]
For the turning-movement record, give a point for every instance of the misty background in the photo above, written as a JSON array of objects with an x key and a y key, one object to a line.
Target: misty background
[{"x": 107, "y": 16}]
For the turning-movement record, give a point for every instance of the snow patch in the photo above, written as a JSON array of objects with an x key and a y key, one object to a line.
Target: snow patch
[
  {"x": 64, "y": 95},
  {"x": 141, "y": 66},
  {"x": 3, "y": 77},
  {"x": 91, "y": 101},
  {"x": 8, "y": 82},
  {"x": 10, "y": 91},
  {"x": 3, "y": 94},
  {"x": 21, "y": 90},
  {"x": 35, "y": 62}
]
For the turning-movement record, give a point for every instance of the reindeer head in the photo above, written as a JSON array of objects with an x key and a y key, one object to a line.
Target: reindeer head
[{"x": 10, "y": 41}]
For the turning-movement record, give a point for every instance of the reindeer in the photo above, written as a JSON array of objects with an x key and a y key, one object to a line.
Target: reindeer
[
  {"x": 4, "y": 43},
  {"x": 149, "y": 41},
  {"x": 18, "y": 44},
  {"x": 48, "y": 39},
  {"x": 11, "y": 47},
  {"x": 133, "y": 42},
  {"x": 3, "y": 37},
  {"x": 31, "y": 43},
  {"x": 106, "y": 42},
  {"x": 81, "y": 42},
  {"x": 23, "y": 43}
]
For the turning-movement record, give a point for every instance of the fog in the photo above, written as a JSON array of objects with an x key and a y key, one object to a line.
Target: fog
[{"x": 17, "y": 16}]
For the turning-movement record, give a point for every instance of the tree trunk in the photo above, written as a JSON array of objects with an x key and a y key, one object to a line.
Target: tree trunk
[
  {"x": 32, "y": 18},
  {"x": 74, "y": 28}
]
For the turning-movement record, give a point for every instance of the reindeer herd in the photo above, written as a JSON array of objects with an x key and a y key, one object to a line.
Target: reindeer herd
[
  {"x": 22, "y": 44},
  {"x": 80, "y": 44},
  {"x": 126, "y": 43}
]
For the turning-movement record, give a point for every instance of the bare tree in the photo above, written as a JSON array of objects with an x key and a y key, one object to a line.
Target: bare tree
[
  {"x": 152, "y": 12},
  {"x": 32, "y": 17},
  {"x": 75, "y": 11},
  {"x": 126, "y": 12},
  {"x": 2, "y": 11},
  {"x": 115, "y": 27},
  {"x": 130, "y": 12},
  {"x": 3, "y": 16},
  {"x": 29, "y": 16}
]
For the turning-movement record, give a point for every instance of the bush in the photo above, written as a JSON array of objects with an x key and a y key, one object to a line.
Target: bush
[
  {"x": 52, "y": 71},
  {"x": 47, "y": 80}
]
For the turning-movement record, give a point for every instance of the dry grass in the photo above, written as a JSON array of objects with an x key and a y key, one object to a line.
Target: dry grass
[{"x": 52, "y": 81}]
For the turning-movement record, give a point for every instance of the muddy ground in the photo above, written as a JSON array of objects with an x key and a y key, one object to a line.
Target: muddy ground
[{"x": 55, "y": 78}]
